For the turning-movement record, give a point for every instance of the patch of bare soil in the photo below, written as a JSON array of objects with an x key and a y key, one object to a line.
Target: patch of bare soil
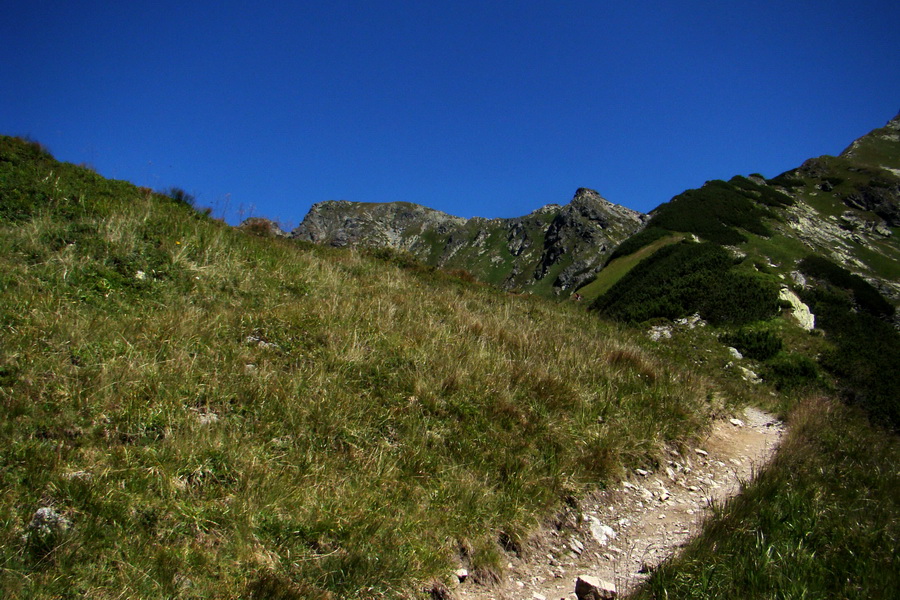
[{"x": 619, "y": 535}]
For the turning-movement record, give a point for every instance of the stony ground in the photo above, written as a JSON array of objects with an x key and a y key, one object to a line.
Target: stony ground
[{"x": 619, "y": 535}]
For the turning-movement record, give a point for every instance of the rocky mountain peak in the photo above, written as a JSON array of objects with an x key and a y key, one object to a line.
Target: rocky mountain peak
[
  {"x": 587, "y": 193},
  {"x": 551, "y": 249}
]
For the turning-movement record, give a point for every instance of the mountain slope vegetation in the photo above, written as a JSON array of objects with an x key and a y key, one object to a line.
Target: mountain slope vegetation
[
  {"x": 819, "y": 521},
  {"x": 191, "y": 411}
]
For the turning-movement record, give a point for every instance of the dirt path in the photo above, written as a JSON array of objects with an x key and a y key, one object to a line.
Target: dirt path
[{"x": 619, "y": 534}]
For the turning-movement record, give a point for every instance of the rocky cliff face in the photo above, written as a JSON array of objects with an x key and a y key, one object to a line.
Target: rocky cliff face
[
  {"x": 396, "y": 225},
  {"x": 552, "y": 249}
]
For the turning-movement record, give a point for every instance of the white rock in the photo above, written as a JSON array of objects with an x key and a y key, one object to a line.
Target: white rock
[
  {"x": 801, "y": 312},
  {"x": 701, "y": 452},
  {"x": 749, "y": 375},
  {"x": 461, "y": 574},
  {"x": 736, "y": 422},
  {"x": 602, "y": 533},
  {"x": 659, "y": 332},
  {"x": 576, "y": 546},
  {"x": 735, "y": 353}
]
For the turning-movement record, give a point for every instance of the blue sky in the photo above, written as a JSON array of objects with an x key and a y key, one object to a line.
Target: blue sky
[{"x": 474, "y": 108}]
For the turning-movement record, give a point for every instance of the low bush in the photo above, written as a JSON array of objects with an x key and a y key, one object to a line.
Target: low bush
[
  {"x": 688, "y": 278},
  {"x": 791, "y": 371},
  {"x": 758, "y": 345},
  {"x": 786, "y": 180},
  {"x": 718, "y": 210},
  {"x": 865, "y": 296},
  {"x": 635, "y": 242},
  {"x": 866, "y": 348}
]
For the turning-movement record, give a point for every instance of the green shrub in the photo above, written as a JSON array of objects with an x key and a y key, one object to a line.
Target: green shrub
[
  {"x": 758, "y": 345},
  {"x": 179, "y": 195},
  {"x": 866, "y": 348},
  {"x": 635, "y": 242},
  {"x": 789, "y": 371},
  {"x": 786, "y": 180},
  {"x": 717, "y": 211},
  {"x": 865, "y": 296},
  {"x": 688, "y": 278}
]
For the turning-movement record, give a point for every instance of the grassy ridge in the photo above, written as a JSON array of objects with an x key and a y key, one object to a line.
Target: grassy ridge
[{"x": 219, "y": 415}]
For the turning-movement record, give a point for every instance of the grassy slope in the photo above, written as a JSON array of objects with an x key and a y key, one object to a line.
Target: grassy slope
[
  {"x": 219, "y": 415},
  {"x": 402, "y": 417}
]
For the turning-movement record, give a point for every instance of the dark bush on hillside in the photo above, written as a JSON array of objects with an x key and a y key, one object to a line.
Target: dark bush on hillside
[
  {"x": 865, "y": 357},
  {"x": 716, "y": 211},
  {"x": 866, "y": 353},
  {"x": 402, "y": 259},
  {"x": 786, "y": 180},
  {"x": 761, "y": 193},
  {"x": 758, "y": 345},
  {"x": 791, "y": 371},
  {"x": 865, "y": 296},
  {"x": 180, "y": 196},
  {"x": 688, "y": 278}
]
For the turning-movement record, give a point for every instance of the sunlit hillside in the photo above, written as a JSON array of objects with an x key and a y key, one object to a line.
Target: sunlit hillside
[{"x": 212, "y": 414}]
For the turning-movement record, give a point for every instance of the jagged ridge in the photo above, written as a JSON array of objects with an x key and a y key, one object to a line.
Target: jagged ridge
[{"x": 552, "y": 249}]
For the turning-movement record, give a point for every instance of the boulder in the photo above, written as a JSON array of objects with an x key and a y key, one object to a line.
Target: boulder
[
  {"x": 801, "y": 312},
  {"x": 588, "y": 587}
]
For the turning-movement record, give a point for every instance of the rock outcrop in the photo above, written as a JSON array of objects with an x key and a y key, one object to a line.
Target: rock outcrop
[{"x": 552, "y": 249}]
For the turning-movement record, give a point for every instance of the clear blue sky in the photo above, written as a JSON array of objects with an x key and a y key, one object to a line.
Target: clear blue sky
[{"x": 471, "y": 107}]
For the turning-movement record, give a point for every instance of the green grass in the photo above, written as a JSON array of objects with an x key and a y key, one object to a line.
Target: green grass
[
  {"x": 819, "y": 522},
  {"x": 221, "y": 415}
]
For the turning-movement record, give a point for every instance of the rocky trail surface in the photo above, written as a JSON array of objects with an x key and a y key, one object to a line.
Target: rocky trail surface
[{"x": 617, "y": 536}]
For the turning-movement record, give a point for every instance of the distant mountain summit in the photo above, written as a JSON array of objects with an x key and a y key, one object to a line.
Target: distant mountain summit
[{"x": 552, "y": 249}]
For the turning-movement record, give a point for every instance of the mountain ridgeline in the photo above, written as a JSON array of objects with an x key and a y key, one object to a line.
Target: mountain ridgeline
[
  {"x": 736, "y": 253},
  {"x": 553, "y": 249}
]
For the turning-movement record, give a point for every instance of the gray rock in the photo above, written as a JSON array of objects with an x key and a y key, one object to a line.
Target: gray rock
[
  {"x": 47, "y": 521},
  {"x": 659, "y": 332},
  {"x": 600, "y": 532},
  {"x": 46, "y": 529},
  {"x": 749, "y": 375},
  {"x": 588, "y": 587}
]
